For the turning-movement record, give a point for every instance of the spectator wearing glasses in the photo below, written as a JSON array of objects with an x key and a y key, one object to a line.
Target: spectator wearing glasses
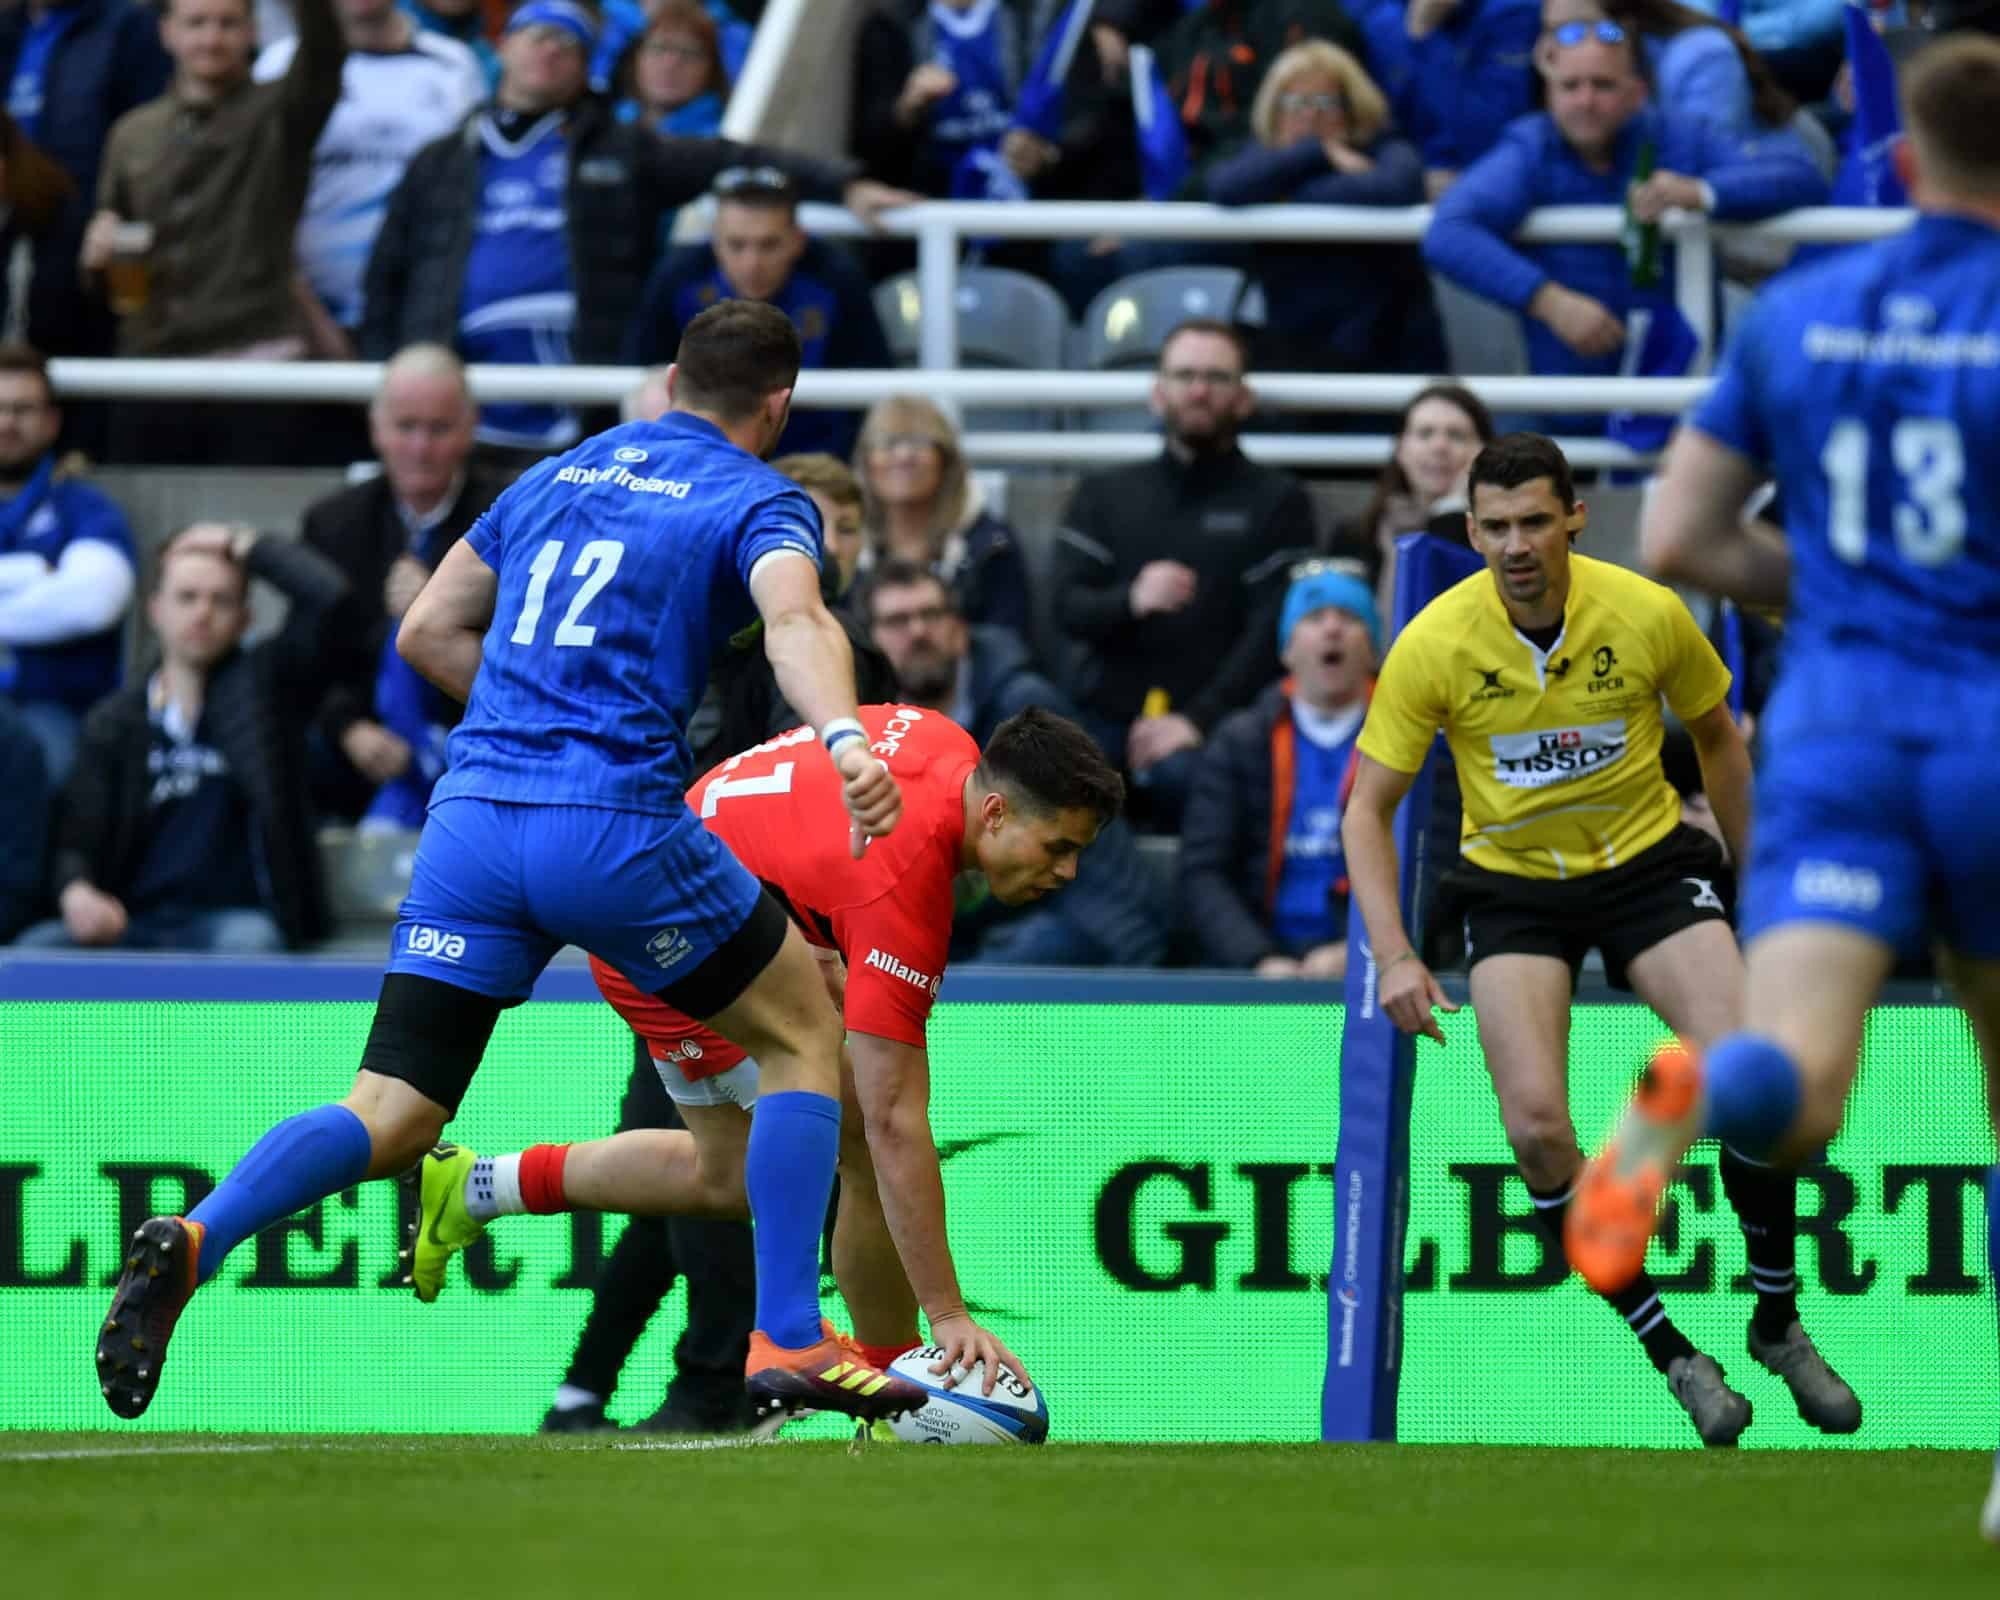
[
  {"x": 1160, "y": 567},
  {"x": 671, "y": 77},
  {"x": 1263, "y": 877},
  {"x": 1456, "y": 73},
  {"x": 921, "y": 504},
  {"x": 756, "y": 250},
  {"x": 1112, "y": 915},
  {"x": 1323, "y": 138},
  {"x": 526, "y": 236},
  {"x": 1700, "y": 68},
  {"x": 1574, "y": 299}
]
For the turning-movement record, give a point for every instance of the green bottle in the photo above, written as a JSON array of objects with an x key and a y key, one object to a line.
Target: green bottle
[{"x": 1642, "y": 239}]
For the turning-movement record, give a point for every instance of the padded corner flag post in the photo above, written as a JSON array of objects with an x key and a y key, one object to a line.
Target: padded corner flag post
[{"x": 1371, "y": 1185}]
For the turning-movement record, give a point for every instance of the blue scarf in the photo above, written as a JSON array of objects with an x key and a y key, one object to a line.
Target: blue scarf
[
  {"x": 404, "y": 704},
  {"x": 27, "y": 96}
]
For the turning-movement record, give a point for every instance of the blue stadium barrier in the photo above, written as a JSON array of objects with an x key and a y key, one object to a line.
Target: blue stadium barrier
[{"x": 1371, "y": 1184}]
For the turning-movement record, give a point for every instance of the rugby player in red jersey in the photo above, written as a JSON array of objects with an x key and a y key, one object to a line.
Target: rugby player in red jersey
[{"x": 1015, "y": 818}]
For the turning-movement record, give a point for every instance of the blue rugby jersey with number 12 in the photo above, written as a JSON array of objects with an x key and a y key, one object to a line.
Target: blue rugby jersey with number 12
[{"x": 624, "y": 564}]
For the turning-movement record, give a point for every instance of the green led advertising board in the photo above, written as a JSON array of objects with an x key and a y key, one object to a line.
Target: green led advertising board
[{"x": 1140, "y": 1202}]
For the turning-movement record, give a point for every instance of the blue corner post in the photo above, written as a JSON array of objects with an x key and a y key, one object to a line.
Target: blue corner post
[{"x": 1364, "y": 1286}]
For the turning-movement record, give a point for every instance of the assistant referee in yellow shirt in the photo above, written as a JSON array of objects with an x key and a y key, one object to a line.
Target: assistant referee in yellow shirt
[{"x": 1546, "y": 673}]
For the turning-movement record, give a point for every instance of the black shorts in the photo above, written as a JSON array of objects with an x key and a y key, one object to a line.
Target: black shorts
[{"x": 1621, "y": 912}]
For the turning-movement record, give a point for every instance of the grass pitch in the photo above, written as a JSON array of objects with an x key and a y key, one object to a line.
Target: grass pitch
[{"x": 163, "y": 1516}]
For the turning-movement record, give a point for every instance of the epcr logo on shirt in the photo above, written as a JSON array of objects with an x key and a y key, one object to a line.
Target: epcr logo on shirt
[{"x": 630, "y": 453}]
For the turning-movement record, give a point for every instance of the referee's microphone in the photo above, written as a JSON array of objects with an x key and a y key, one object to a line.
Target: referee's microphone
[{"x": 1558, "y": 669}]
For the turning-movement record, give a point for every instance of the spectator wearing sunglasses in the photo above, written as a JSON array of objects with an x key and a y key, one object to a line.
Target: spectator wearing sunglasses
[
  {"x": 1323, "y": 138},
  {"x": 527, "y": 234},
  {"x": 1574, "y": 299},
  {"x": 1263, "y": 875},
  {"x": 1456, "y": 73},
  {"x": 757, "y": 251},
  {"x": 1699, "y": 67}
]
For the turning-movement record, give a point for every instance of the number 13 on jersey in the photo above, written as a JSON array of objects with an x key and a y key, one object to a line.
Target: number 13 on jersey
[{"x": 596, "y": 564}]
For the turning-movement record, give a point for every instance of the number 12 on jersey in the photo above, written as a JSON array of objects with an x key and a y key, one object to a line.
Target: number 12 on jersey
[{"x": 596, "y": 563}]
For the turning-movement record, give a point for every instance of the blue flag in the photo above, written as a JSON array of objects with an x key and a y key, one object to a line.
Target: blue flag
[
  {"x": 1730, "y": 12},
  {"x": 1867, "y": 176},
  {"x": 1659, "y": 343},
  {"x": 1163, "y": 156},
  {"x": 1040, "y": 105}
]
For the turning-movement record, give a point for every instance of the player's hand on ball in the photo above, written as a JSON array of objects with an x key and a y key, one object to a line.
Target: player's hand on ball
[
  {"x": 1410, "y": 995},
  {"x": 965, "y": 1345},
  {"x": 874, "y": 803}
]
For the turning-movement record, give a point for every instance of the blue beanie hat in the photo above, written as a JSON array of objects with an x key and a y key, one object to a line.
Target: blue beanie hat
[
  {"x": 570, "y": 18},
  {"x": 1327, "y": 588}
]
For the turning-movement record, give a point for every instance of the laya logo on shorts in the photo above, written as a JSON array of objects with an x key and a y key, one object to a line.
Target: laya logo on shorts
[
  {"x": 882, "y": 961},
  {"x": 623, "y": 478},
  {"x": 1835, "y": 887},
  {"x": 669, "y": 947},
  {"x": 435, "y": 944},
  {"x": 1556, "y": 755}
]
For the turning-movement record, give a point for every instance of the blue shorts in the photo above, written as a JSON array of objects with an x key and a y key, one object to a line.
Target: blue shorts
[
  {"x": 499, "y": 888},
  {"x": 1893, "y": 837}
]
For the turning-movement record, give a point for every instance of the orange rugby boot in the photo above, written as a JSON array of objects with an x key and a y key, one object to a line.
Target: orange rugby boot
[
  {"x": 828, "y": 1376},
  {"x": 1617, "y": 1200}
]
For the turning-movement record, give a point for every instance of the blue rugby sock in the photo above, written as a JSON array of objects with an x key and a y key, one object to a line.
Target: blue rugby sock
[
  {"x": 794, "y": 1146},
  {"x": 1753, "y": 1093},
  {"x": 301, "y": 1160}
]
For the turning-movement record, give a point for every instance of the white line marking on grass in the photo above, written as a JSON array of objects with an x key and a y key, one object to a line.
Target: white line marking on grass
[{"x": 137, "y": 1450}]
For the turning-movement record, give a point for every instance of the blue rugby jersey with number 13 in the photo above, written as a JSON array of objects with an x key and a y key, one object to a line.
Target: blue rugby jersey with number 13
[
  {"x": 623, "y": 565},
  {"x": 1870, "y": 385}
]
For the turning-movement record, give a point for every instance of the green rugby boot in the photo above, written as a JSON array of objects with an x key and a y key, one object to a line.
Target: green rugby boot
[{"x": 443, "y": 1226}]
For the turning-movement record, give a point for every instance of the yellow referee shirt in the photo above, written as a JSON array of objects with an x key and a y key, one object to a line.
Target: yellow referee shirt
[{"x": 1558, "y": 754}]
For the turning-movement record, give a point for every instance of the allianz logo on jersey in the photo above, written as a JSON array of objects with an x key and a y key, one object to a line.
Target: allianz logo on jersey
[
  {"x": 435, "y": 944},
  {"x": 1556, "y": 755},
  {"x": 621, "y": 476},
  {"x": 882, "y": 961}
]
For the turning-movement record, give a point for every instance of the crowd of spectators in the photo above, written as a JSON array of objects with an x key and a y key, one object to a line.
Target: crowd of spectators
[{"x": 427, "y": 185}]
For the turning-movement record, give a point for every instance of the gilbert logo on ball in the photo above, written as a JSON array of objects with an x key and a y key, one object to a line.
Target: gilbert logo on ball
[{"x": 1014, "y": 1413}]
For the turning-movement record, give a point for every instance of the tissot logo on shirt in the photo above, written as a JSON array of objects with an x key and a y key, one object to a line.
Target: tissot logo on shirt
[
  {"x": 882, "y": 961},
  {"x": 1556, "y": 755}
]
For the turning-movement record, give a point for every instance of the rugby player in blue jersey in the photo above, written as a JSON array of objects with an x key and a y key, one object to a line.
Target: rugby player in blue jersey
[
  {"x": 577, "y": 620},
  {"x": 1869, "y": 386}
]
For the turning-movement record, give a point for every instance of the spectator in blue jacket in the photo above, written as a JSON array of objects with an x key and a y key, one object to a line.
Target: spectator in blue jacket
[
  {"x": 1113, "y": 914},
  {"x": 1699, "y": 68},
  {"x": 758, "y": 251},
  {"x": 1456, "y": 73},
  {"x": 71, "y": 71},
  {"x": 1803, "y": 42},
  {"x": 1323, "y": 138},
  {"x": 68, "y": 569},
  {"x": 1263, "y": 874},
  {"x": 1574, "y": 299}
]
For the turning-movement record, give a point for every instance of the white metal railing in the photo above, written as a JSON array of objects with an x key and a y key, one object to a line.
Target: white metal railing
[{"x": 939, "y": 229}]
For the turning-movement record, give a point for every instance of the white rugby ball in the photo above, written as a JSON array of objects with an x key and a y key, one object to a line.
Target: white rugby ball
[{"x": 1014, "y": 1413}]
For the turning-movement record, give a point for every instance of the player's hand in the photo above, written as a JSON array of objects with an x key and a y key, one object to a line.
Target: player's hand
[
  {"x": 1409, "y": 994},
  {"x": 90, "y": 916},
  {"x": 100, "y": 241},
  {"x": 1161, "y": 586},
  {"x": 964, "y": 1344},
  {"x": 926, "y": 85},
  {"x": 1327, "y": 962},
  {"x": 1584, "y": 324},
  {"x": 874, "y": 803},
  {"x": 1152, "y": 739},
  {"x": 1664, "y": 192},
  {"x": 376, "y": 753},
  {"x": 1027, "y": 155}
]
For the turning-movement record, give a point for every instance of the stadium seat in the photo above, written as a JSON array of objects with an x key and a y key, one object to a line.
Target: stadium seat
[
  {"x": 1128, "y": 321},
  {"x": 367, "y": 871},
  {"x": 1006, "y": 319},
  {"x": 1482, "y": 338}
]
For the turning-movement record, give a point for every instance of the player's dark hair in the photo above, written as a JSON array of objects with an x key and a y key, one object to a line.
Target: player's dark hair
[
  {"x": 733, "y": 357},
  {"x": 1209, "y": 325},
  {"x": 1770, "y": 104},
  {"x": 26, "y": 360},
  {"x": 1517, "y": 458},
  {"x": 1949, "y": 91},
  {"x": 1047, "y": 763}
]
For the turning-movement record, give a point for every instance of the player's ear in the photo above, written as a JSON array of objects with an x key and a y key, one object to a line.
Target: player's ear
[
  {"x": 1903, "y": 157},
  {"x": 1577, "y": 516},
  {"x": 993, "y": 811}
]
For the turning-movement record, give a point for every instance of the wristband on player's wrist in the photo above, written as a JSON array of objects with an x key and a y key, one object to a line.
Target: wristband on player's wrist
[
  {"x": 1407, "y": 955},
  {"x": 839, "y": 731}
]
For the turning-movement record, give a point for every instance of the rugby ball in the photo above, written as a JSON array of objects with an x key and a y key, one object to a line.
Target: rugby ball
[{"x": 1014, "y": 1413}]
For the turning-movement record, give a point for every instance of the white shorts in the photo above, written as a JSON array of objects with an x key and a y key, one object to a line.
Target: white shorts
[{"x": 736, "y": 1087}]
